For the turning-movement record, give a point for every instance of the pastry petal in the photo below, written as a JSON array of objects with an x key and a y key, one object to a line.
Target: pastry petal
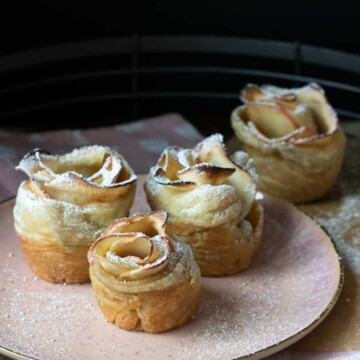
[{"x": 88, "y": 174}]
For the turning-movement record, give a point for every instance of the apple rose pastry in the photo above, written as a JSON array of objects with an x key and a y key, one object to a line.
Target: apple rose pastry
[
  {"x": 66, "y": 204},
  {"x": 211, "y": 203},
  {"x": 142, "y": 278},
  {"x": 294, "y": 137}
]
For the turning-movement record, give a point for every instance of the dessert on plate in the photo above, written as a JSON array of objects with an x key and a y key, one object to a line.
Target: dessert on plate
[
  {"x": 294, "y": 137},
  {"x": 64, "y": 206},
  {"x": 143, "y": 278},
  {"x": 211, "y": 204}
]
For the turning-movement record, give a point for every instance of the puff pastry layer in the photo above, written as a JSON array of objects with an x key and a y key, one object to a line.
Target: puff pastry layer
[
  {"x": 66, "y": 204},
  {"x": 142, "y": 278},
  {"x": 211, "y": 203},
  {"x": 294, "y": 137}
]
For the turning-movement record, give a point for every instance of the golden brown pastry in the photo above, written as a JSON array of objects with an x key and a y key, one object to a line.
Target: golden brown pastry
[
  {"x": 142, "y": 278},
  {"x": 66, "y": 204},
  {"x": 211, "y": 203},
  {"x": 294, "y": 137}
]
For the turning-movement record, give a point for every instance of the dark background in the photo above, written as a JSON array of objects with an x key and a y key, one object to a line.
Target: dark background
[{"x": 28, "y": 24}]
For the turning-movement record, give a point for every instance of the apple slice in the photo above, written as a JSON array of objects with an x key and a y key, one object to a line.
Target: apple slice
[
  {"x": 271, "y": 119},
  {"x": 136, "y": 247},
  {"x": 312, "y": 92},
  {"x": 323, "y": 112},
  {"x": 303, "y": 116},
  {"x": 254, "y": 93},
  {"x": 205, "y": 173},
  {"x": 288, "y": 101},
  {"x": 251, "y": 93}
]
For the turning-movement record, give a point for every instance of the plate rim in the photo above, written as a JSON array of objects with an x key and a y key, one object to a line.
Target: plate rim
[
  {"x": 307, "y": 329},
  {"x": 13, "y": 354},
  {"x": 281, "y": 344}
]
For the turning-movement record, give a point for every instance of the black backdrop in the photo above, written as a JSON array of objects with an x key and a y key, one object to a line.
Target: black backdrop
[
  {"x": 55, "y": 91},
  {"x": 30, "y": 23}
]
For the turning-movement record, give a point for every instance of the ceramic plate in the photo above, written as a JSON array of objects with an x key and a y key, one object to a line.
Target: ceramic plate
[{"x": 289, "y": 289}]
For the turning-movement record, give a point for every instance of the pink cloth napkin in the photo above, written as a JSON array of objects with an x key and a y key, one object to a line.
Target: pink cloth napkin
[{"x": 140, "y": 142}]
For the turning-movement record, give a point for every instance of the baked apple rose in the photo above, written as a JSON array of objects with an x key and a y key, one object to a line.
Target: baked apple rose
[
  {"x": 294, "y": 137},
  {"x": 142, "y": 278},
  {"x": 211, "y": 203},
  {"x": 66, "y": 204}
]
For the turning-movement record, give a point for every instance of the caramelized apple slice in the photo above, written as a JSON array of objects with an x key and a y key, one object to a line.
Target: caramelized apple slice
[
  {"x": 136, "y": 247},
  {"x": 254, "y": 93},
  {"x": 324, "y": 114},
  {"x": 271, "y": 119},
  {"x": 251, "y": 93},
  {"x": 205, "y": 174},
  {"x": 303, "y": 116}
]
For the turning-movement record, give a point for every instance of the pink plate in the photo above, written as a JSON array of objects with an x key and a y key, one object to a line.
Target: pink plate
[{"x": 289, "y": 289}]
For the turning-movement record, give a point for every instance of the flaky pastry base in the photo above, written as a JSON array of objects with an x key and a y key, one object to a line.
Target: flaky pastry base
[
  {"x": 56, "y": 263},
  {"x": 221, "y": 250},
  {"x": 55, "y": 235},
  {"x": 228, "y": 248}
]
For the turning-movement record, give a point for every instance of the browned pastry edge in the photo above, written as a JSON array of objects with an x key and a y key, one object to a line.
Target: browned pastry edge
[
  {"x": 51, "y": 262},
  {"x": 225, "y": 250},
  {"x": 284, "y": 182},
  {"x": 152, "y": 311}
]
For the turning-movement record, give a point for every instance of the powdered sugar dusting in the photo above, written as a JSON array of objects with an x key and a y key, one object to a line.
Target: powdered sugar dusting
[
  {"x": 125, "y": 261},
  {"x": 31, "y": 312},
  {"x": 187, "y": 157},
  {"x": 35, "y": 321},
  {"x": 345, "y": 228},
  {"x": 64, "y": 178},
  {"x": 97, "y": 165},
  {"x": 271, "y": 90},
  {"x": 157, "y": 242},
  {"x": 212, "y": 140},
  {"x": 244, "y": 160},
  {"x": 64, "y": 216}
]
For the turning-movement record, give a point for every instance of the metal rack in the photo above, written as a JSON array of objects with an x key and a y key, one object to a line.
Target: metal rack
[{"x": 98, "y": 82}]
